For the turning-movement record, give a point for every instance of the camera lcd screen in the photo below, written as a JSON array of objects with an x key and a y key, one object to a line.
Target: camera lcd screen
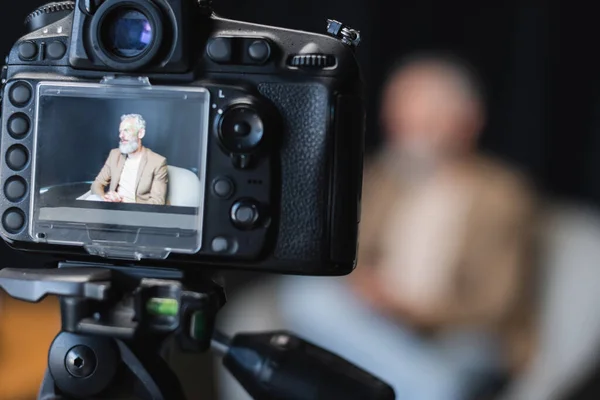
[{"x": 120, "y": 164}]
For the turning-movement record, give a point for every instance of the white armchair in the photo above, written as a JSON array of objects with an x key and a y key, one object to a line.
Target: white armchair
[{"x": 184, "y": 188}]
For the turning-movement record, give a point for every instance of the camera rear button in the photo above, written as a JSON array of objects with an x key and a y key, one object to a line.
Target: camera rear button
[
  {"x": 223, "y": 188},
  {"x": 18, "y": 126},
  {"x": 17, "y": 157},
  {"x": 15, "y": 189},
  {"x": 27, "y": 51},
  {"x": 259, "y": 51},
  {"x": 220, "y": 245},
  {"x": 56, "y": 50},
  {"x": 220, "y": 50},
  {"x": 20, "y": 94},
  {"x": 13, "y": 220},
  {"x": 245, "y": 214}
]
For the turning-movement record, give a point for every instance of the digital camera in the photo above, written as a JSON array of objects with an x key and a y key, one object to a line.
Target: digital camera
[{"x": 155, "y": 132}]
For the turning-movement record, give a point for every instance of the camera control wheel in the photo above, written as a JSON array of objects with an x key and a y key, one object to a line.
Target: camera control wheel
[
  {"x": 241, "y": 132},
  {"x": 241, "y": 129}
]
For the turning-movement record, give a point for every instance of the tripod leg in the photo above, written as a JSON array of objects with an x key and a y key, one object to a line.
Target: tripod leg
[
  {"x": 159, "y": 382},
  {"x": 48, "y": 389}
]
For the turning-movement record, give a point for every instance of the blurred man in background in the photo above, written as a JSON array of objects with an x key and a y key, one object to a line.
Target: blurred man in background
[
  {"x": 446, "y": 235},
  {"x": 441, "y": 300}
]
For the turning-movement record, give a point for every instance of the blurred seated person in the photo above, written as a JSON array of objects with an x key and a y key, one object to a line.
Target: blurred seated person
[
  {"x": 26, "y": 332},
  {"x": 439, "y": 304}
]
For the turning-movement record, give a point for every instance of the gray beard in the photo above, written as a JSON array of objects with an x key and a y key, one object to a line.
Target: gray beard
[{"x": 129, "y": 148}]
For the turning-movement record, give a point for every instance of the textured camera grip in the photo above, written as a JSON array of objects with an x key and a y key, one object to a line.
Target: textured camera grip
[{"x": 304, "y": 110}]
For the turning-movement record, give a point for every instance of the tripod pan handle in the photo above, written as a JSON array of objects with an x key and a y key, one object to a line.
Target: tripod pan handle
[{"x": 33, "y": 285}]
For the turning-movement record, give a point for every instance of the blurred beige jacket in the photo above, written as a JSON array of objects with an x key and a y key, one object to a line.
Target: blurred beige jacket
[{"x": 452, "y": 250}]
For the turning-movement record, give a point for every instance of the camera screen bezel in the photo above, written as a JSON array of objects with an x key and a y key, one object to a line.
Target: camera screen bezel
[{"x": 204, "y": 133}]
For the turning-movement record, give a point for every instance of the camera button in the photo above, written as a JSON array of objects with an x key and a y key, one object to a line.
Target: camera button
[
  {"x": 56, "y": 50},
  {"x": 259, "y": 51},
  {"x": 18, "y": 126},
  {"x": 17, "y": 157},
  {"x": 28, "y": 51},
  {"x": 13, "y": 220},
  {"x": 223, "y": 188},
  {"x": 15, "y": 189},
  {"x": 220, "y": 245},
  {"x": 20, "y": 94},
  {"x": 245, "y": 214},
  {"x": 220, "y": 50},
  {"x": 242, "y": 128}
]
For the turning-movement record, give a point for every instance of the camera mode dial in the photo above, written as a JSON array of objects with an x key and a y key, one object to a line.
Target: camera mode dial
[{"x": 48, "y": 14}]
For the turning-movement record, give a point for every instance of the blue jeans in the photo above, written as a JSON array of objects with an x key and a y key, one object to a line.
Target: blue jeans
[{"x": 325, "y": 312}]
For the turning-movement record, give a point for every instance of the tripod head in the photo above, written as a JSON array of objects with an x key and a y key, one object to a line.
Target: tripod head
[{"x": 115, "y": 321}]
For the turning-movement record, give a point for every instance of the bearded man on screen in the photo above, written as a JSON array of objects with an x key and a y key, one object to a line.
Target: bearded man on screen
[{"x": 132, "y": 173}]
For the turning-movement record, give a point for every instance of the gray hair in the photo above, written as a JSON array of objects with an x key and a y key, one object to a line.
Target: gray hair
[{"x": 140, "y": 122}]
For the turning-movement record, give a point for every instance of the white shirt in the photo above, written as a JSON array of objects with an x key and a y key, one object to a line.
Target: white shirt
[
  {"x": 425, "y": 235},
  {"x": 128, "y": 183}
]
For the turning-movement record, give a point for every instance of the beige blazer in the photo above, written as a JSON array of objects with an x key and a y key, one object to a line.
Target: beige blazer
[
  {"x": 489, "y": 284},
  {"x": 152, "y": 177}
]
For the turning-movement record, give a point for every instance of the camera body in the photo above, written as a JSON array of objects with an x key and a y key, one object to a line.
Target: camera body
[{"x": 269, "y": 121}]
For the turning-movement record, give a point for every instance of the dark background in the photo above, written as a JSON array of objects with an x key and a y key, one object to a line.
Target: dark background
[
  {"x": 538, "y": 60},
  {"x": 77, "y": 134}
]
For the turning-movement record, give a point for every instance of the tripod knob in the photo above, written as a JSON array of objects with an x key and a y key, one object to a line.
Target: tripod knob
[{"x": 82, "y": 366}]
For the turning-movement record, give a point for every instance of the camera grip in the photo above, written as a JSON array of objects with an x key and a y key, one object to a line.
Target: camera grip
[{"x": 304, "y": 155}]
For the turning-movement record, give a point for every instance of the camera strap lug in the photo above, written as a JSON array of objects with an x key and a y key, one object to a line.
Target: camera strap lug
[{"x": 347, "y": 35}]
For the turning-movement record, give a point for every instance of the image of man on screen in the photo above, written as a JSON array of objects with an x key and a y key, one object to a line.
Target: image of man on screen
[{"x": 132, "y": 173}]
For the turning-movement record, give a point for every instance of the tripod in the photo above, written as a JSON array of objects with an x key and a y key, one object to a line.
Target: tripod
[{"x": 116, "y": 319}]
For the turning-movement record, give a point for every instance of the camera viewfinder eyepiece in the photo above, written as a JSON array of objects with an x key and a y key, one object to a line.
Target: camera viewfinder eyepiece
[{"x": 127, "y": 35}]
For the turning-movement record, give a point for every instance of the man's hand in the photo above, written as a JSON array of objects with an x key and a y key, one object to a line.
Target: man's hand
[
  {"x": 113, "y": 197},
  {"x": 369, "y": 287}
]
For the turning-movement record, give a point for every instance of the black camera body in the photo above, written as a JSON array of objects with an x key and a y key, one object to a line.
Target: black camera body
[{"x": 275, "y": 141}]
